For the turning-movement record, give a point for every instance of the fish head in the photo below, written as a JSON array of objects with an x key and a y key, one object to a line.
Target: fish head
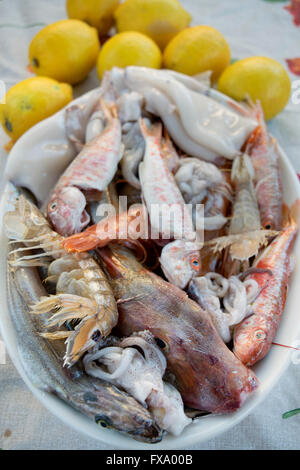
[
  {"x": 189, "y": 360},
  {"x": 180, "y": 262},
  {"x": 123, "y": 413},
  {"x": 250, "y": 343},
  {"x": 66, "y": 211}
]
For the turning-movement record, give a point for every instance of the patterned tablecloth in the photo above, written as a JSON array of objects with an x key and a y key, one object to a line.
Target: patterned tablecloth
[{"x": 252, "y": 27}]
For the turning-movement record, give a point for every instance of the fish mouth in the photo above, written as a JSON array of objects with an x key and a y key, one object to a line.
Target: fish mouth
[{"x": 151, "y": 433}]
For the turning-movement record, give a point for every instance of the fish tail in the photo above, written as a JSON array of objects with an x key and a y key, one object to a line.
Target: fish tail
[
  {"x": 291, "y": 214},
  {"x": 242, "y": 169},
  {"x": 259, "y": 135},
  {"x": 155, "y": 131},
  {"x": 110, "y": 110}
]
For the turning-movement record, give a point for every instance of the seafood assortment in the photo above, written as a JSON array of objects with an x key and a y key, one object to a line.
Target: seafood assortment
[
  {"x": 42, "y": 361},
  {"x": 153, "y": 271},
  {"x": 82, "y": 290},
  {"x": 207, "y": 374}
]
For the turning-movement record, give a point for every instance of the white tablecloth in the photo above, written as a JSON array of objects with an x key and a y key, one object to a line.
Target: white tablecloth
[{"x": 252, "y": 27}]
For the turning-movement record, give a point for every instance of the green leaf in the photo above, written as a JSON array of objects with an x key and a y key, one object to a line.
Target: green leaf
[{"x": 288, "y": 414}]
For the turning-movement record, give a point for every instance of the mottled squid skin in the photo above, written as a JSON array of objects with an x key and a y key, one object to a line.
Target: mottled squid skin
[{"x": 207, "y": 374}]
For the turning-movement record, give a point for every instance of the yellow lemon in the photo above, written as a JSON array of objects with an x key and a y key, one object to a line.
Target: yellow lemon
[
  {"x": 130, "y": 48},
  {"x": 66, "y": 50},
  {"x": 31, "y": 101},
  {"x": 259, "y": 78},
  {"x": 97, "y": 13},
  {"x": 197, "y": 50},
  {"x": 161, "y": 20}
]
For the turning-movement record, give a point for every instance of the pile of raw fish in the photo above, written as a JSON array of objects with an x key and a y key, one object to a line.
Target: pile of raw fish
[{"x": 146, "y": 333}]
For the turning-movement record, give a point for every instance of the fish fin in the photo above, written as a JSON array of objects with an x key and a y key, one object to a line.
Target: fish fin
[
  {"x": 155, "y": 131},
  {"x": 129, "y": 299},
  {"x": 291, "y": 265}
]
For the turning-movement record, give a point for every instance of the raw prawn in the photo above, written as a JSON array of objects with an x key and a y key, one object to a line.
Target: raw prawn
[
  {"x": 83, "y": 291},
  {"x": 245, "y": 236}
]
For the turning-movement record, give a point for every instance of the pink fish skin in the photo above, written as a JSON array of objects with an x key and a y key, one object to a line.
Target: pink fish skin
[
  {"x": 263, "y": 150},
  {"x": 207, "y": 374},
  {"x": 254, "y": 335},
  {"x": 89, "y": 174}
]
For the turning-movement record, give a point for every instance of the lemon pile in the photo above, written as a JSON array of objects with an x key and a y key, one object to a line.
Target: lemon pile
[{"x": 150, "y": 33}]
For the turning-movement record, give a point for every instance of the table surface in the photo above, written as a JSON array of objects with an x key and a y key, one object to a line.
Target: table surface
[{"x": 260, "y": 27}]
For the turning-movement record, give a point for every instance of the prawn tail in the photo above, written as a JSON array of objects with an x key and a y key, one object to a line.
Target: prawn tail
[
  {"x": 91, "y": 326},
  {"x": 64, "y": 307},
  {"x": 87, "y": 333}
]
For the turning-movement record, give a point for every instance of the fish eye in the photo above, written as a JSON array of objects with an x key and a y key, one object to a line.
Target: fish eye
[
  {"x": 53, "y": 206},
  {"x": 103, "y": 421},
  {"x": 268, "y": 226},
  {"x": 96, "y": 336},
  {"x": 195, "y": 263},
  {"x": 260, "y": 335},
  {"x": 162, "y": 344}
]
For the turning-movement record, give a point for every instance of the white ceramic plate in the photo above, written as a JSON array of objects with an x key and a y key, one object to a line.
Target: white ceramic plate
[{"x": 268, "y": 370}]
